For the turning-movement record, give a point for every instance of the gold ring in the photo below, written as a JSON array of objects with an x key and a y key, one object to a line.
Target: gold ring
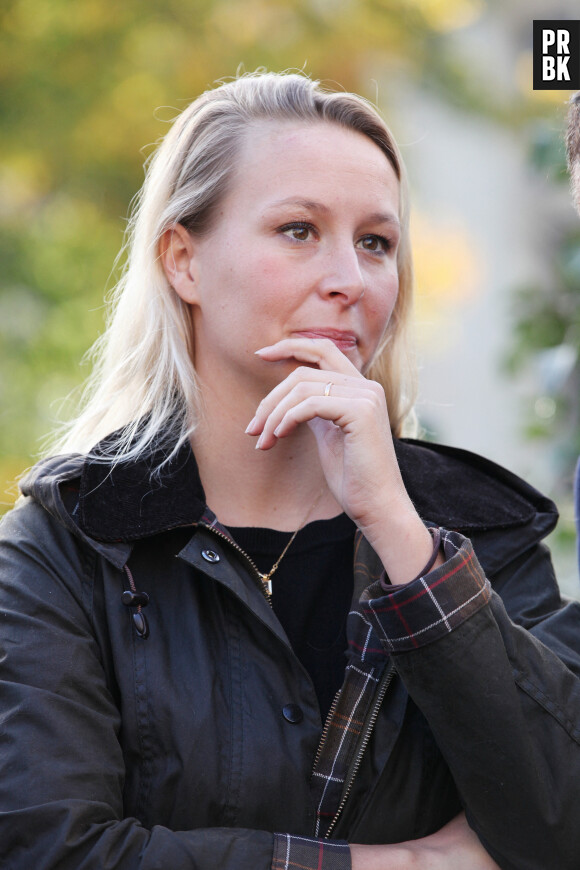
[{"x": 327, "y": 388}]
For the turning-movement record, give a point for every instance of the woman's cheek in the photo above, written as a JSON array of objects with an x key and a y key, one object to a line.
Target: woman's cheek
[
  {"x": 392, "y": 294},
  {"x": 382, "y": 309}
]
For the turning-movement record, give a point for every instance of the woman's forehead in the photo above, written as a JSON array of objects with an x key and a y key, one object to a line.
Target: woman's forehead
[
  {"x": 270, "y": 136},
  {"x": 298, "y": 159}
]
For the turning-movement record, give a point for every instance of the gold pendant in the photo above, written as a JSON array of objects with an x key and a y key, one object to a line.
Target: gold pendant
[{"x": 265, "y": 578}]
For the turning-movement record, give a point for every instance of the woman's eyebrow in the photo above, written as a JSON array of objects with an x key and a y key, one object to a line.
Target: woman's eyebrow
[
  {"x": 312, "y": 205},
  {"x": 384, "y": 217},
  {"x": 309, "y": 204}
]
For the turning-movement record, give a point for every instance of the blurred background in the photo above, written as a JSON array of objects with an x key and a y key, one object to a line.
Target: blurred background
[{"x": 88, "y": 86}]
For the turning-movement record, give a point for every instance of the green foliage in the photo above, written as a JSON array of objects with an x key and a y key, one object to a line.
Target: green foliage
[{"x": 546, "y": 335}]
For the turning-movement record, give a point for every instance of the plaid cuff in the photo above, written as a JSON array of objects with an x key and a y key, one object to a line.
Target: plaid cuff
[
  {"x": 412, "y": 616},
  {"x": 302, "y": 853}
]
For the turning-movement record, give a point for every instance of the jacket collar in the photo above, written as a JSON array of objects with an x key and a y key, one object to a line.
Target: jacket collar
[
  {"x": 450, "y": 487},
  {"x": 129, "y": 501},
  {"x": 461, "y": 490}
]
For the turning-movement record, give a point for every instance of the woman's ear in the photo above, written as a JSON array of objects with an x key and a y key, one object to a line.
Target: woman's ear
[{"x": 176, "y": 249}]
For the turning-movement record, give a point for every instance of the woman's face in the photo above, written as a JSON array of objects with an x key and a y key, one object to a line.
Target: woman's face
[{"x": 303, "y": 244}]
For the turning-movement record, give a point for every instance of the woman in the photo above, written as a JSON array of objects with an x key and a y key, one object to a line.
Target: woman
[{"x": 175, "y": 598}]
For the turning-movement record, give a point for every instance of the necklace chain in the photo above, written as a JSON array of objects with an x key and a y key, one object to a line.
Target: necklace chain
[{"x": 267, "y": 578}]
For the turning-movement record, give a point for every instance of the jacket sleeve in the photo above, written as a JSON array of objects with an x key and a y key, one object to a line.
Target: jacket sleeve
[
  {"x": 504, "y": 708},
  {"x": 61, "y": 764}
]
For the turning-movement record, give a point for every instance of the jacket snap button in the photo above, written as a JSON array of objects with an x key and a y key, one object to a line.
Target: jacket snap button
[
  {"x": 210, "y": 556},
  {"x": 293, "y": 713}
]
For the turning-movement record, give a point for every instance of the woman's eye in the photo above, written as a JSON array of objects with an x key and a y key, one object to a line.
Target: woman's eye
[
  {"x": 301, "y": 232},
  {"x": 375, "y": 244}
]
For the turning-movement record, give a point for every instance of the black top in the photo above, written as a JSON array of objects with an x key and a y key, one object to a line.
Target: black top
[{"x": 311, "y": 593}]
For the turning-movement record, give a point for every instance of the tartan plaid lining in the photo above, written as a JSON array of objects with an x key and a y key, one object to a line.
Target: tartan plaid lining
[
  {"x": 411, "y": 616},
  {"x": 302, "y": 853},
  {"x": 341, "y": 740}
]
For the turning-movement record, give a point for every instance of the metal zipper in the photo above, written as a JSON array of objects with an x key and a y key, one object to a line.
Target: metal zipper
[
  {"x": 326, "y": 728},
  {"x": 369, "y": 726},
  {"x": 255, "y": 574}
]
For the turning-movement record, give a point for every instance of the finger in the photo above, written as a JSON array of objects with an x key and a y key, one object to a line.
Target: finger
[
  {"x": 342, "y": 410},
  {"x": 321, "y": 352},
  {"x": 300, "y": 384}
]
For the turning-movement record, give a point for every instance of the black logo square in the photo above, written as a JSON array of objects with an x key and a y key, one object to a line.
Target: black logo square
[{"x": 556, "y": 55}]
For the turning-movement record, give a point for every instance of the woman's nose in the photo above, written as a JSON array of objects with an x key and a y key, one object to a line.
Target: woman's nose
[{"x": 342, "y": 278}]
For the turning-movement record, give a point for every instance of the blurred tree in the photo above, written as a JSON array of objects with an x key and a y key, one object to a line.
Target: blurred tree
[{"x": 546, "y": 337}]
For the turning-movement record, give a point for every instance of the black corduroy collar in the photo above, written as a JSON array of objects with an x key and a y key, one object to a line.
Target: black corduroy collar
[
  {"x": 450, "y": 487},
  {"x": 132, "y": 500},
  {"x": 461, "y": 490}
]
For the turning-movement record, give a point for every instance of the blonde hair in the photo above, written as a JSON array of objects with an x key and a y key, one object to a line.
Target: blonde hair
[{"x": 143, "y": 387}]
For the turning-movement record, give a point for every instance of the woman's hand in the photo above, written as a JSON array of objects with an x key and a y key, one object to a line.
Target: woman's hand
[
  {"x": 454, "y": 847},
  {"x": 350, "y": 421}
]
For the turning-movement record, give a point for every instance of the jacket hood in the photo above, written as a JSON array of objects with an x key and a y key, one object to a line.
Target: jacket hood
[{"x": 112, "y": 506}]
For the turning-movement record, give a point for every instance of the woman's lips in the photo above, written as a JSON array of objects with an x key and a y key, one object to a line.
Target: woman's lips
[{"x": 344, "y": 340}]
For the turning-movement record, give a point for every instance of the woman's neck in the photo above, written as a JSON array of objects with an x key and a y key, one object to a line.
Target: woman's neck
[{"x": 281, "y": 488}]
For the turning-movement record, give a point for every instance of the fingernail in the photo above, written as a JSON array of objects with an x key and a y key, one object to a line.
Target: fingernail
[
  {"x": 251, "y": 425},
  {"x": 277, "y": 430},
  {"x": 259, "y": 441}
]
